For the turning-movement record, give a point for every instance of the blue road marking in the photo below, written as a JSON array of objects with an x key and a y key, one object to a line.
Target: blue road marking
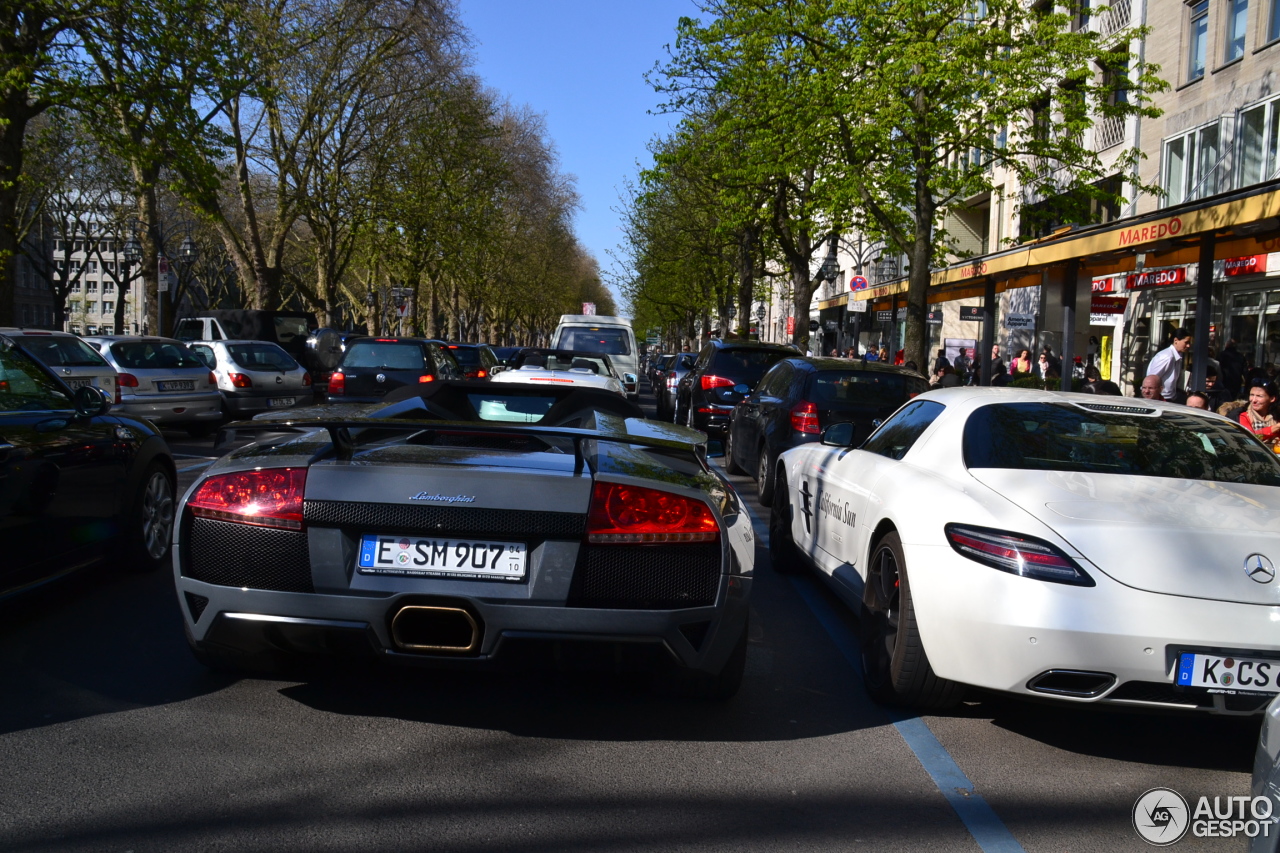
[{"x": 956, "y": 788}]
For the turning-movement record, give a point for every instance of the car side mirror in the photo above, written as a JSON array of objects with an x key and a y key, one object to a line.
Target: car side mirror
[
  {"x": 838, "y": 435},
  {"x": 91, "y": 401},
  {"x": 497, "y": 368}
]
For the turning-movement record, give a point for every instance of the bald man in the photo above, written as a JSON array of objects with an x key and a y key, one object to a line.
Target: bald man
[{"x": 1151, "y": 388}]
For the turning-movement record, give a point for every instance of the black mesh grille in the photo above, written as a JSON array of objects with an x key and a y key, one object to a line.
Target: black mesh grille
[
  {"x": 230, "y": 554},
  {"x": 196, "y": 604},
  {"x": 1156, "y": 691},
  {"x": 646, "y": 577},
  {"x": 405, "y": 518}
]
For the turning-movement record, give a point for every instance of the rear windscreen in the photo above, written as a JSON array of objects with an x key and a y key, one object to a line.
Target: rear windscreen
[
  {"x": 466, "y": 356},
  {"x": 1065, "y": 437},
  {"x": 612, "y": 341},
  {"x": 388, "y": 355},
  {"x": 153, "y": 355},
  {"x": 511, "y": 409},
  {"x": 261, "y": 357},
  {"x": 62, "y": 352},
  {"x": 745, "y": 365},
  {"x": 835, "y": 388}
]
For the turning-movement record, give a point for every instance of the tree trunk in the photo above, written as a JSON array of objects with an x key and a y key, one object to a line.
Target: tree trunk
[
  {"x": 746, "y": 279},
  {"x": 149, "y": 237},
  {"x": 13, "y": 130}
]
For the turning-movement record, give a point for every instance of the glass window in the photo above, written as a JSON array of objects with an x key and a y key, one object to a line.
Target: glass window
[
  {"x": 745, "y": 365},
  {"x": 290, "y": 329},
  {"x": 1067, "y": 437},
  {"x": 612, "y": 341},
  {"x": 262, "y": 356},
  {"x": 1257, "y": 143},
  {"x": 1199, "y": 35},
  {"x": 108, "y": 307},
  {"x": 1273, "y": 27},
  {"x": 1237, "y": 19},
  {"x": 510, "y": 409},
  {"x": 153, "y": 355},
  {"x": 775, "y": 382},
  {"x": 897, "y": 435},
  {"x": 466, "y": 356},
  {"x": 205, "y": 354},
  {"x": 853, "y": 388},
  {"x": 189, "y": 330},
  {"x": 388, "y": 355},
  {"x": 24, "y": 386},
  {"x": 1191, "y": 168},
  {"x": 59, "y": 351}
]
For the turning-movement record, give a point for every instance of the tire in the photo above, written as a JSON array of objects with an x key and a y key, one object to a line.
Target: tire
[
  {"x": 895, "y": 668},
  {"x": 730, "y": 464},
  {"x": 784, "y": 556},
  {"x": 677, "y": 416},
  {"x": 147, "y": 528},
  {"x": 720, "y": 687},
  {"x": 764, "y": 477}
]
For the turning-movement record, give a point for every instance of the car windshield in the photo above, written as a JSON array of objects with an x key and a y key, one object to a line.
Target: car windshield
[
  {"x": 745, "y": 365},
  {"x": 833, "y": 388},
  {"x": 613, "y": 341},
  {"x": 290, "y": 329},
  {"x": 153, "y": 355},
  {"x": 1104, "y": 439},
  {"x": 24, "y": 386},
  {"x": 261, "y": 357},
  {"x": 511, "y": 409},
  {"x": 59, "y": 351},
  {"x": 387, "y": 355}
]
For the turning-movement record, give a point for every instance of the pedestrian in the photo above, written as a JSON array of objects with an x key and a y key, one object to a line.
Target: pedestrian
[
  {"x": 1258, "y": 415},
  {"x": 997, "y": 363},
  {"x": 911, "y": 365},
  {"x": 884, "y": 354},
  {"x": 1198, "y": 400},
  {"x": 1214, "y": 392},
  {"x": 947, "y": 377},
  {"x": 1095, "y": 384},
  {"x": 870, "y": 355},
  {"x": 1231, "y": 368},
  {"x": 1021, "y": 366},
  {"x": 1167, "y": 365},
  {"x": 1051, "y": 360},
  {"x": 1043, "y": 366},
  {"x": 1091, "y": 351},
  {"x": 1150, "y": 388},
  {"x": 941, "y": 361},
  {"x": 962, "y": 363}
]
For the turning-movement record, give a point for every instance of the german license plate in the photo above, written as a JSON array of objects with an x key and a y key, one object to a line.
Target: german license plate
[
  {"x": 75, "y": 384},
  {"x": 274, "y": 402},
  {"x": 177, "y": 385},
  {"x": 416, "y": 556},
  {"x": 1227, "y": 672}
]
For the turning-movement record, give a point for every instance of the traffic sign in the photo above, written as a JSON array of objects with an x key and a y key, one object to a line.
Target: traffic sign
[{"x": 858, "y": 282}]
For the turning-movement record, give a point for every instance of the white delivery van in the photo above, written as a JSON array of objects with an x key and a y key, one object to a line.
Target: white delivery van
[{"x": 610, "y": 335}]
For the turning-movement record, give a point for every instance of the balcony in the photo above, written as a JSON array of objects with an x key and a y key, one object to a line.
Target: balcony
[
  {"x": 1116, "y": 18},
  {"x": 1108, "y": 133}
]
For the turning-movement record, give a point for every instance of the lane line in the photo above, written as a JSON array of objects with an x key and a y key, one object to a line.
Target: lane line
[{"x": 990, "y": 833}]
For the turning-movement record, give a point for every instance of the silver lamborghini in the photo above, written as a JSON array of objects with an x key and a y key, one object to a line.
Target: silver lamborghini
[{"x": 467, "y": 523}]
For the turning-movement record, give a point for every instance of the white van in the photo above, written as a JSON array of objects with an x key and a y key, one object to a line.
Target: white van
[{"x": 610, "y": 335}]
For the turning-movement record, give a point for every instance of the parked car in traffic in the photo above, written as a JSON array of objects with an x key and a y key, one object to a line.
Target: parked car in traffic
[
  {"x": 653, "y": 365},
  {"x": 611, "y": 336},
  {"x": 505, "y": 354},
  {"x": 254, "y": 376},
  {"x": 535, "y": 366},
  {"x": 372, "y": 367},
  {"x": 476, "y": 360},
  {"x": 160, "y": 379},
  {"x": 725, "y": 372},
  {"x": 318, "y": 350},
  {"x": 75, "y": 362},
  {"x": 800, "y": 397},
  {"x": 668, "y": 380},
  {"x": 79, "y": 482}
]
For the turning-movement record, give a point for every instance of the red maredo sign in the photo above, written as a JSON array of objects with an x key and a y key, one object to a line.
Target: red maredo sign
[
  {"x": 1156, "y": 278},
  {"x": 1245, "y": 266},
  {"x": 1155, "y": 231},
  {"x": 1108, "y": 304},
  {"x": 1106, "y": 284}
]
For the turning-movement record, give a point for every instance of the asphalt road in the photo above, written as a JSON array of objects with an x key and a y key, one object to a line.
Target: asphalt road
[{"x": 112, "y": 738}]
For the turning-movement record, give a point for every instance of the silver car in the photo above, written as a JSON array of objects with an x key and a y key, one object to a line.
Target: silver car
[
  {"x": 254, "y": 376},
  {"x": 161, "y": 380},
  {"x": 71, "y": 359}
]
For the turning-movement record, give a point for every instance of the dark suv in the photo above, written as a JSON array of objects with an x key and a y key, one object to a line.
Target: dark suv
[
  {"x": 725, "y": 372},
  {"x": 800, "y": 397},
  {"x": 476, "y": 360},
  {"x": 372, "y": 367}
]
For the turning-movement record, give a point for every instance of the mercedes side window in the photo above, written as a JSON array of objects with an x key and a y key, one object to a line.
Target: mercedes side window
[{"x": 897, "y": 435}]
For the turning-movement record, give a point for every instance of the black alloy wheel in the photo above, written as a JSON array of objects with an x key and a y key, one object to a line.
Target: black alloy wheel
[
  {"x": 764, "y": 476},
  {"x": 895, "y": 668}
]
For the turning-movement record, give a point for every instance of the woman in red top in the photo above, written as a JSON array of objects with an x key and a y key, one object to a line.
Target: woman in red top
[{"x": 1257, "y": 417}]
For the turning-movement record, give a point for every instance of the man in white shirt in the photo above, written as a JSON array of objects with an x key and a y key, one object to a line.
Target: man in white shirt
[{"x": 1167, "y": 364}]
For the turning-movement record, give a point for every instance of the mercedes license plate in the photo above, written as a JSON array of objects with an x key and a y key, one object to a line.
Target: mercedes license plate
[
  {"x": 1228, "y": 672},
  {"x": 177, "y": 385},
  {"x": 416, "y": 556},
  {"x": 274, "y": 402}
]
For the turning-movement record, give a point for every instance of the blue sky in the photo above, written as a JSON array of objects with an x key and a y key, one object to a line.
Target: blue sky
[{"x": 582, "y": 63}]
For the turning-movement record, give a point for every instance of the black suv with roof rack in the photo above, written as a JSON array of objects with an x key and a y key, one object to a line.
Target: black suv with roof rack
[{"x": 725, "y": 373}]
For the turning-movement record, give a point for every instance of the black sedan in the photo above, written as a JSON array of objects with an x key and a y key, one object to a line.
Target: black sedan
[
  {"x": 373, "y": 367},
  {"x": 800, "y": 397},
  {"x": 77, "y": 485},
  {"x": 725, "y": 373}
]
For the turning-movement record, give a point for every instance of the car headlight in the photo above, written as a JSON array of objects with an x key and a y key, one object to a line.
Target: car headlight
[{"x": 1016, "y": 554}]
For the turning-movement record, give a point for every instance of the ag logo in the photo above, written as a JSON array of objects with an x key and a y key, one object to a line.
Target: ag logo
[{"x": 1161, "y": 817}]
